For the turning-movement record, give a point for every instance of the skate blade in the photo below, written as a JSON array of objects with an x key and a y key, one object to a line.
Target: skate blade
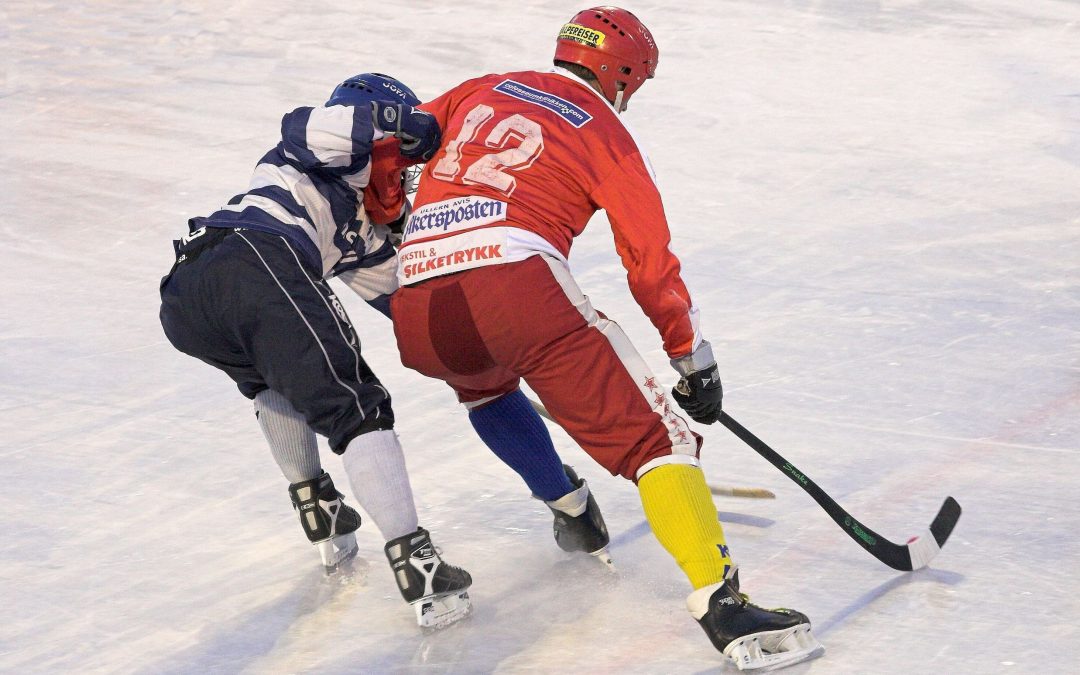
[
  {"x": 336, "y": 550},
  {"x": 603, "y": 556},
  {"x": 771, "y": 650},
  {"x": 438, "y": 612}
]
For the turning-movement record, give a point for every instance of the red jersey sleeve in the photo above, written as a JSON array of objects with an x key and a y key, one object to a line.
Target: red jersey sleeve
[
  {"x": 384, "y": 200},
  {"x": 642, "y": 239}
]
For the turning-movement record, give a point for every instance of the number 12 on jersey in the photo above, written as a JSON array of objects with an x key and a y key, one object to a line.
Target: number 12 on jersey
[{"x": 493, "y": 168}]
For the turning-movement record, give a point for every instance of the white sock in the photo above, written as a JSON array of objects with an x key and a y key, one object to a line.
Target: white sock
[
  {"x": 375, "y": 465},
  {"x": 292, "y": 442}
]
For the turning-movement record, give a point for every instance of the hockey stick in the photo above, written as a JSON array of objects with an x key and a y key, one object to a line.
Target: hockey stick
[
  {"x": 721, "y": 490},
  {"x": 748, "y": 492},
  {"x": 915, "y": 554}
]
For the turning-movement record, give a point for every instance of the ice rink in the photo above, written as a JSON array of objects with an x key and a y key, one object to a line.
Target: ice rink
[{"x": 877, "y": 206}]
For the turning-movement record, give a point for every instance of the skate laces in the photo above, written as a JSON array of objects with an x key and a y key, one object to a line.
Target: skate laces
[
  {"x": 746, "y": 602},
  {"x": 438, "y": 556}
]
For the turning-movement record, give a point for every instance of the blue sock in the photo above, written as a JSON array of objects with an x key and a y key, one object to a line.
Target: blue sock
[{"x": 517, "y": 436}]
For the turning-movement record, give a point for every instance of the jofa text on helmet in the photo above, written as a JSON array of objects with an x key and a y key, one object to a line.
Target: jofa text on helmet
[{"x": 400, "y": 94}]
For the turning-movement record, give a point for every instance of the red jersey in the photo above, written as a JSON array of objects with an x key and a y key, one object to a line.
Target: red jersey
[{"x": 527, "y": 159}]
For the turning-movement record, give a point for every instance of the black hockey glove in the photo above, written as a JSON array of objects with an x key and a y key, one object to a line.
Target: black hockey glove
[
  {"x": 699, "y": 391},
  {"x": 418, "y": 131}
]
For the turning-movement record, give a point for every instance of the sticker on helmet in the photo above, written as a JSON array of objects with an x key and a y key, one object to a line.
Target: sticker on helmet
[{"x": 579, "y": 33}]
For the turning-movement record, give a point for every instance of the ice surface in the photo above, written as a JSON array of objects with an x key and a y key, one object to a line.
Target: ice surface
[{"x": 878, "y": 209}]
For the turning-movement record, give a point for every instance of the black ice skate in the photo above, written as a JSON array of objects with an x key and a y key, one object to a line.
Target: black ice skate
[
  {"x": 436, "y": 590},
  {"x": 327, "y": 521},
  {"x": 579, "y": 525},
  {"x": 750, "y": 636}
]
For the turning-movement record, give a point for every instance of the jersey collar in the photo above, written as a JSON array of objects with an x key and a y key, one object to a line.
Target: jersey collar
[{"x": 567, "y": 74}]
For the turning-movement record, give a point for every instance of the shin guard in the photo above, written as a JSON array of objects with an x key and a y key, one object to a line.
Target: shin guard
[{"x": 682, "y": 516}]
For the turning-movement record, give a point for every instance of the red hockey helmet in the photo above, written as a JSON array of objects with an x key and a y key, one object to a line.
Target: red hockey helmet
[{"x": 614, "y": 45}]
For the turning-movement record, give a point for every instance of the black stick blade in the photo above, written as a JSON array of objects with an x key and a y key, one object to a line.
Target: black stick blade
[{"x": 945, "y": 521}]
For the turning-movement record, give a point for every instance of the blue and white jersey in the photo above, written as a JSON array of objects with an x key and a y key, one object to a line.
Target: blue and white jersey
[{"x": 310, "y": 190}]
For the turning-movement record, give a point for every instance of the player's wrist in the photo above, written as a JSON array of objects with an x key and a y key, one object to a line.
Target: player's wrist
[{"x": 700, "y": 359}]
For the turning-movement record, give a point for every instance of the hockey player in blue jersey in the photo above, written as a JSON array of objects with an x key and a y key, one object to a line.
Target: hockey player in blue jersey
[{"x": 248, "y": 294}]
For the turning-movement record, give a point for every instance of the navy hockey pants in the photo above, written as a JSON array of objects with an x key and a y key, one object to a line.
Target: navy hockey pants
[{"x": 242, "y": 301}]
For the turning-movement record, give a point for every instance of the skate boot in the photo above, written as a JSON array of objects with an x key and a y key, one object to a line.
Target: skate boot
[
  {"x": 437, "y": 591},
  {"x": 579, "y": 525},
  {"x": 327, "y": 521},
  {"x": 750, "y": 636}
]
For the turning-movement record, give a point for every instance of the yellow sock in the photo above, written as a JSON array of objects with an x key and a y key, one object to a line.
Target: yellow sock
[{"x": 682, "y": 515}]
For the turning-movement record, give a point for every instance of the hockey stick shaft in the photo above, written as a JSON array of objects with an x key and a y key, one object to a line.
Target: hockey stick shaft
[
  {"x": 917, "y": 553},
  {"x": 720, "y": 490}
]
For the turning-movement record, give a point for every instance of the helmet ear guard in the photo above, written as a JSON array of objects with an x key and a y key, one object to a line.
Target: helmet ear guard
[{"x": 614, "y": 46}]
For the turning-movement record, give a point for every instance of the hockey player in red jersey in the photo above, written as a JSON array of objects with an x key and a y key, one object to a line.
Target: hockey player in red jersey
[{"x": 487, "y": 298}]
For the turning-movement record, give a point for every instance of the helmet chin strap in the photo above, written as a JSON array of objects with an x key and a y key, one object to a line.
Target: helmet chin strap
[{"x": 619, "y": 102}]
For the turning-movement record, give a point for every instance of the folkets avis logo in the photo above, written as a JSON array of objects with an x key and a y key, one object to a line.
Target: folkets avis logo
[{"x": 452, "y": 216}]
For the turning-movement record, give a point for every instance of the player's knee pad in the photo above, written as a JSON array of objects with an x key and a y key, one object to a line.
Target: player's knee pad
[{"x": 381, "y": 420}]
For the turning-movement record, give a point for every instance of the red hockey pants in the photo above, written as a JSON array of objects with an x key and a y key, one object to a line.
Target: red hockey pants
[{"x": 483, "y": 329}]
